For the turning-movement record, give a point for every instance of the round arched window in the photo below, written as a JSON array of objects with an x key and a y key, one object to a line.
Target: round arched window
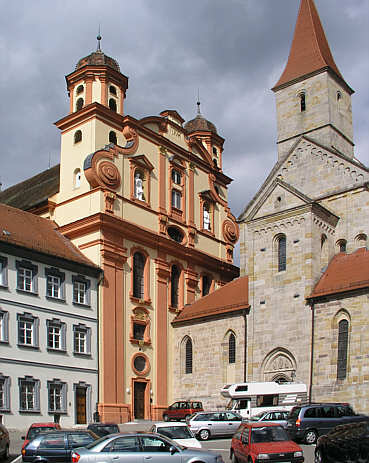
[{"x": 112, "y": 104}]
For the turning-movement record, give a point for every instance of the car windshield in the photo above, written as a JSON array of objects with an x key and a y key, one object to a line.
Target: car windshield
[
  {"x": 33, "y": 432},
  {"x": 269, "y": 434},
  {"x": 175, "y": 432},
  {"x": 96, "y": 442}
]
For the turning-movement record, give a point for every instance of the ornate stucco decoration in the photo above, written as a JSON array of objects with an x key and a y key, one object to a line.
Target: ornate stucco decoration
[{"x": 231, "y": 231}]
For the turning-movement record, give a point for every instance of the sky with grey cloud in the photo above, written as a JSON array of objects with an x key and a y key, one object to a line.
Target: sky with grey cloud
[{"x": 233, "y": 51}]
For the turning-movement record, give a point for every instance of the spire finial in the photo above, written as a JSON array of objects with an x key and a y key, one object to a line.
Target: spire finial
[
  {"x": 98, "y": 40},
  {"x": 198, "y": 102}
]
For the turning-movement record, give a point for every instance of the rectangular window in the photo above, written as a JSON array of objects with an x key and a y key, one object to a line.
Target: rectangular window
[
  {"x": 176, "y": 199},
  {"x": 56, "y": 334},
  {"x": 26, "y": 276},
  {"x": 138, "y": 331},
  {"x": 81, "y": 290},
  {"x": 3, "y": 271},
  {"x": 29, "y": 394},
  {"x": 57, "y": 396},
  {"x": 4, "y": 334},
  {"x": 27, "y": 330},
  {"x": 176, "y": 177},
  {"x": 4, "y": 393},
  {"x": 81, "y": 339},
  {"x": 54, "y": 283}
]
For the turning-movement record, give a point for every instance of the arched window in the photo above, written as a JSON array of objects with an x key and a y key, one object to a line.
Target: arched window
[
  {"x": 79, "y": 89},
  {"x": 79, "y": 104},
  {"x": 361, "y": 241},
  {"x": 78, "y": 136},
  {"x": 206, "y": 216},
  {"x": 139, "y": 185},
  {"x": 343, "y": 330},
  {"x": 282, "y": 253},
  {"x": 341, "y": 245},
  {"x": 188, "y": 356},
  {"x": 302, "y": 102},
  {"x": 174, "y": 287},
  {"x": 112, "y": 90},
  {"x": 77, "y": 178},
  {"x": 112, "y": 104},
  {"x": 138, "y": 275},
  {"x": 112, "y": 137},
  {"x": 232, "y": 348}
]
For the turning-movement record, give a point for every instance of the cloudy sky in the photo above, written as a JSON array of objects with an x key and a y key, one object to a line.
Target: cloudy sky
[{"x": 233, "y": 51}]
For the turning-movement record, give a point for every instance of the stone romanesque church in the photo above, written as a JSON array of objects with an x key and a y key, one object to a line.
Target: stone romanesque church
[{"x": 299, "y": 311}]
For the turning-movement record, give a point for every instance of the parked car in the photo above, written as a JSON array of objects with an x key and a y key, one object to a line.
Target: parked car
[
  {"x": 308, "y": 422},
  {"x": 346, "y": 442},
  {"x": 139, "y": 447},
  {"x": 181, "y": 410},
  {"x": 275, "y": 416},
  {"x": 256, "y": 442},
  {"x": 36, "y": 428},
  {"x": 178, "y": 431},
  {"x": 56, "y": 446},
  {"x": 103, "y": 429},
  {"x": 210, "y": 424},
  {"x": 4, "y": 442}
]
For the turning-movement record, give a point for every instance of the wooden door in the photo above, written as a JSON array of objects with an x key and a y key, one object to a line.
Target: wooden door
[
  {"x": 139, "y": 400},
  {"x": 81, "y": 405}
]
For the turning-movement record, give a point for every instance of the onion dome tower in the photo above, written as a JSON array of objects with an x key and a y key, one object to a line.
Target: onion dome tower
[
  {"x": 206, "y": 131},
  {"x": 97, "y": 78}
]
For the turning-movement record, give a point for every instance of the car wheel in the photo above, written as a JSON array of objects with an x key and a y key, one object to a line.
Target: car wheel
[
  {"x": 310, "y": 437},
  {"x": 318, "y": 456},
  {"x": 204, "y": 434},
  {"x": 165, "y": 417}
]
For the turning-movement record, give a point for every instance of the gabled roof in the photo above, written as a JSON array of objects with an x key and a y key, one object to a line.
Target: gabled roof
[
  {"x": 20, "y": 228},
  {"x": 310, "y": 52},
  {"x": 33, "y": 191},
  {"x": 345, "y": 272},
  {"x": 232, "y": 297}
]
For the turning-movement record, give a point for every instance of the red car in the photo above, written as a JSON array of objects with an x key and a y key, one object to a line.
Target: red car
[
  {"x": 182, "y": 410},
  {"x": 35, "y": 429},
  {"x": 259, "y": 442}
]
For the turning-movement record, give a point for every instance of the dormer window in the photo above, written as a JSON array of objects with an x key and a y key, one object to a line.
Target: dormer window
[
  {"x": 112, "y": 90},
  {"x": 113, "y": 104},
  {"x": 80, "y": 89},
  {"x": 302, "y": 102},
  {"x": 79, "y": 104}
]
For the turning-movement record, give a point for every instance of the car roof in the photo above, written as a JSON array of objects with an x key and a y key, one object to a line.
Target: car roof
[
  {"x": 41, "y": 425},
  {"x": 102, "y": 424},
  {"x": 258, "y": 424},
  {"x": 162, "y": 424}
]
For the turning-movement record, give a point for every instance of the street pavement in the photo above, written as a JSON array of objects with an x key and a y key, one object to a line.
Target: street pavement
[{"x": 221, "y": 446}]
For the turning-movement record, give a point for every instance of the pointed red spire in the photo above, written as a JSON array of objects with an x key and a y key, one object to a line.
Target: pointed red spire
[{"x": 310, "y": 51}]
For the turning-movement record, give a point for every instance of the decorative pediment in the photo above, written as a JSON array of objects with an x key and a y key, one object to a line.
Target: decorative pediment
[
  {"x": 196, "y": 146},
  {"x": 142, "y": 161},
  {"x": 208, "y": 195}
]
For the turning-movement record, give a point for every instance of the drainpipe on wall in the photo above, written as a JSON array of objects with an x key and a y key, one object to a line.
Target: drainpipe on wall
[
  {"x": 312, "y": 349},
  {"x": 245, "y": 347},
  {"x": 99, "y": 282}
]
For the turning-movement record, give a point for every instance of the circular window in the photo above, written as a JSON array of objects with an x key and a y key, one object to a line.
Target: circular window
[
  {"x": 139, "y": 363},
  {"x": 176, "y": 234}
]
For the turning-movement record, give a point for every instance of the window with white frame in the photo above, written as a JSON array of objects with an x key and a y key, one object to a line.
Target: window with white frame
[
  {"x": 56, "y": 334},
  {"x": 4, "y": 326},
  {"x": 55, "y": 283},
  {"x": 27, "y": 330},
  {"x": 57, "y": 396},
  {"x": 3, "y": 271},
  {"x": 176, "y": 177},
  {"x": 4, "y": 393},
  {"x": 176, "y": 199},
  {"x": 81, "y": 290},
  {"x": 29, "y": 394},
  {"x": 81, "y": 339},
  {"x": 26, "y": 276}
]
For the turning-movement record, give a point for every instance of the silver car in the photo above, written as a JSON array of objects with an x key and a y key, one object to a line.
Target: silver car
[
  {"x": 211, "y": 424},
  {"x": 275, "y": 416},
  {"x": 140, "y": 447}
]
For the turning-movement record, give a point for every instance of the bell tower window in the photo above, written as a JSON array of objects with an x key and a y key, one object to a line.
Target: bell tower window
[
  {"x": 112, "y": 104},
  {"x": 77, "y": 178},
  {"x": 112, "y": 90},
  {"x": 113, "y": 137},
  {"x": 302, "y": 102},
  {"x": 78, "y": 136},
  {"x": 79, "y": 89},
  {"x": 79, "y": 104}
]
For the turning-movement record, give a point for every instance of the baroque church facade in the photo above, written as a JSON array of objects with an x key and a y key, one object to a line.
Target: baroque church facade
[
  {"x": 304, "y": 255},
  {"x": 145, "y": 200}
]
